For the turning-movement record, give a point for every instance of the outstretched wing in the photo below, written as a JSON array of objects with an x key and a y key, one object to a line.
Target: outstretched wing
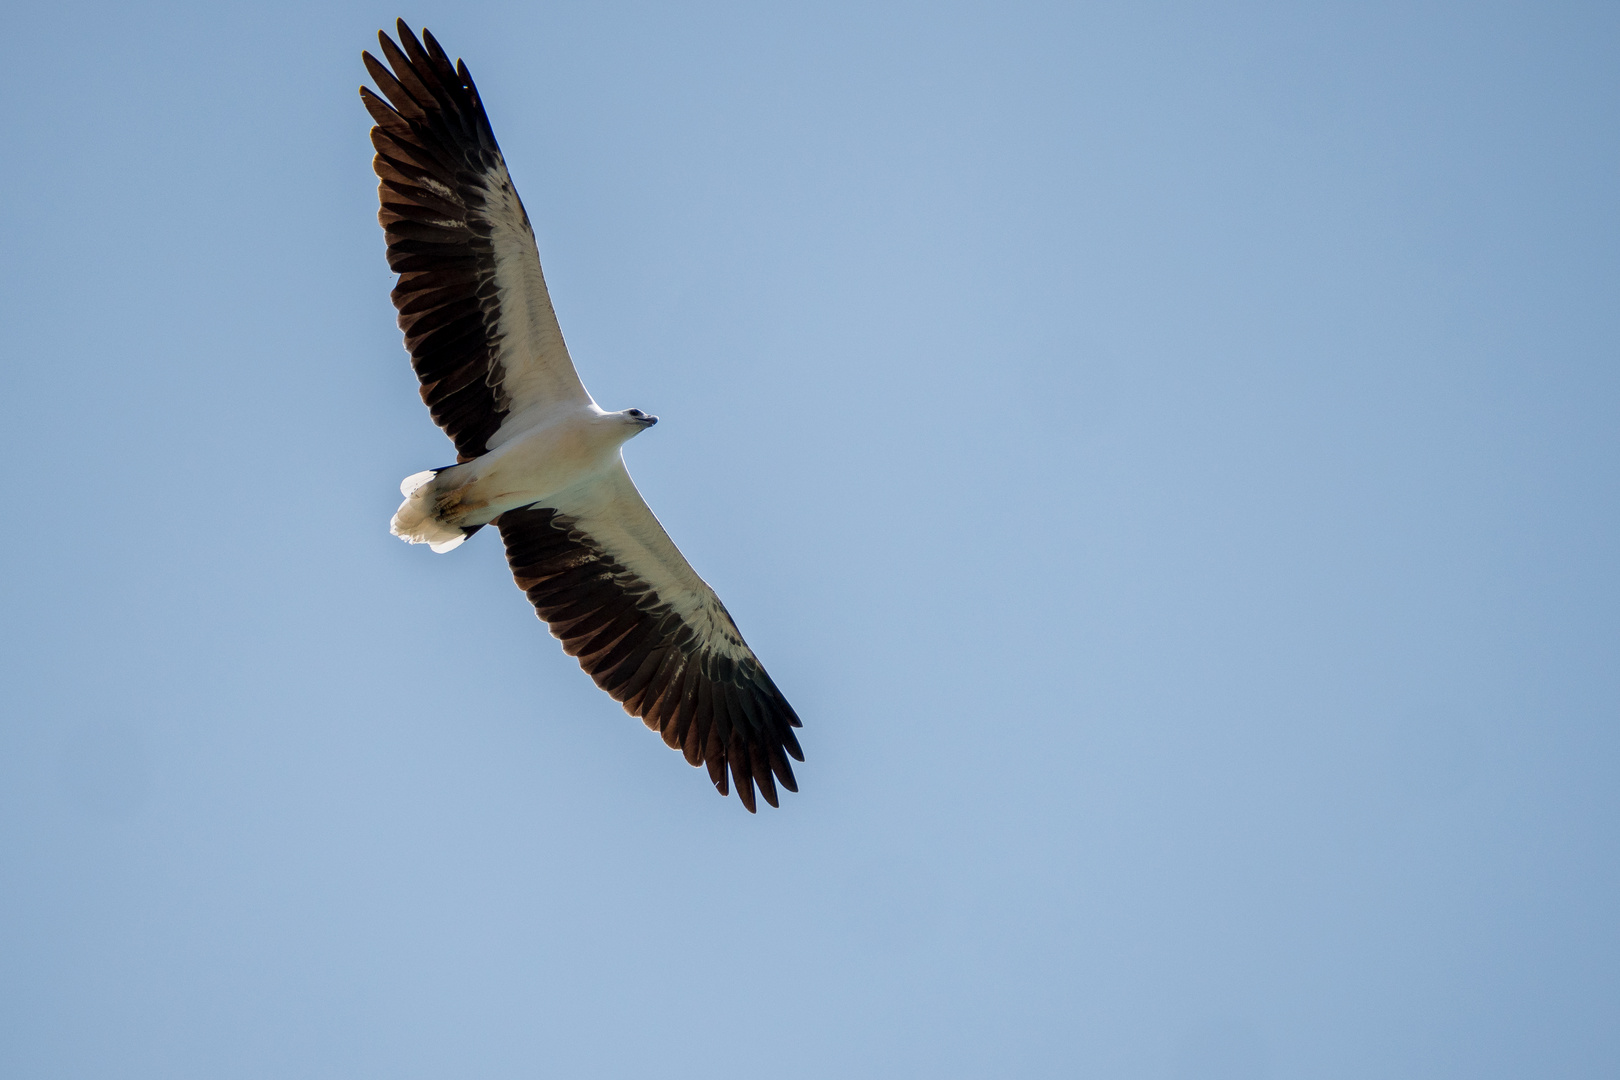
[
  {"x": 472, "y": 301},
  {"x": 616, "y": 591}
]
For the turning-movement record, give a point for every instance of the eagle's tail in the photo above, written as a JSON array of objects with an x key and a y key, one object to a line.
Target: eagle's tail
[{"x": 417, "y": 520}]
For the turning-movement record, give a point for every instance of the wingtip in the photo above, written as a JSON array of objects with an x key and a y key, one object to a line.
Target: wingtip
[
  {"x": 407, "y": 36},
  {"x": 432, "y": 44}
]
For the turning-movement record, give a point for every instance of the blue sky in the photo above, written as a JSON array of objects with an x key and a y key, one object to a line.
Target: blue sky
[{"x": 1166, "y": 452}]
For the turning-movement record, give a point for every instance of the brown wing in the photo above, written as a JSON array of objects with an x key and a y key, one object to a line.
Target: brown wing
[
  {"x": 688, "y": 677},
  {"x": 472, "y": 300}
]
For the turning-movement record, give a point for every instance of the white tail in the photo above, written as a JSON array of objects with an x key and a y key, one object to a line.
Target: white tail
[{"x": 417, "y": 519}]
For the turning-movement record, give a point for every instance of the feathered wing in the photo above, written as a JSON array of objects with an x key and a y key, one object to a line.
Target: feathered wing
[
  {"x": 472, "y": 300},
  {"x": 601, "y": 571}
]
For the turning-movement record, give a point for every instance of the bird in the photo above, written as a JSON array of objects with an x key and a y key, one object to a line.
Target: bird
[{"x": 536, "y": 457}]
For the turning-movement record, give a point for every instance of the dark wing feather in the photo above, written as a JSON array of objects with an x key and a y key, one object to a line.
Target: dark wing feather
[
  {"x": 472, "y": 300},
  {"x": 721, "y": 711}
]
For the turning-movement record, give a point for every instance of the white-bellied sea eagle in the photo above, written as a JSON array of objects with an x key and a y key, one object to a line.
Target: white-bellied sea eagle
[{"x": 536, "y": 457}]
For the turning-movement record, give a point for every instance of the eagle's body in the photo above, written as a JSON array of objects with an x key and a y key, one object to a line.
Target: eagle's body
[
  {"x": 569, "y": 448},
  {"x": 537, "y": 457}
]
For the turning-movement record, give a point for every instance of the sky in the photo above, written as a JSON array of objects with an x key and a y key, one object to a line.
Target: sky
[{"x": 1166, "y": 452}]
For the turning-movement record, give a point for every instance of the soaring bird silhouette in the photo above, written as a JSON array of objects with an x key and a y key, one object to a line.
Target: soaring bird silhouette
[{"x": 536, "y": 456}]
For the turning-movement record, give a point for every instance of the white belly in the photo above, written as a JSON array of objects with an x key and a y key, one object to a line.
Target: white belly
[{"x": 539, "y": 463}]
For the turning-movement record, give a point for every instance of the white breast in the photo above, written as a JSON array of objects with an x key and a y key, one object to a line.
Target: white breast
[{"x": 565, "y": 451}]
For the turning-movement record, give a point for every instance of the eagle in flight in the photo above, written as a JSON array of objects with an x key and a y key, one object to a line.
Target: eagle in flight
[{"x": 536, "y": 456}]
